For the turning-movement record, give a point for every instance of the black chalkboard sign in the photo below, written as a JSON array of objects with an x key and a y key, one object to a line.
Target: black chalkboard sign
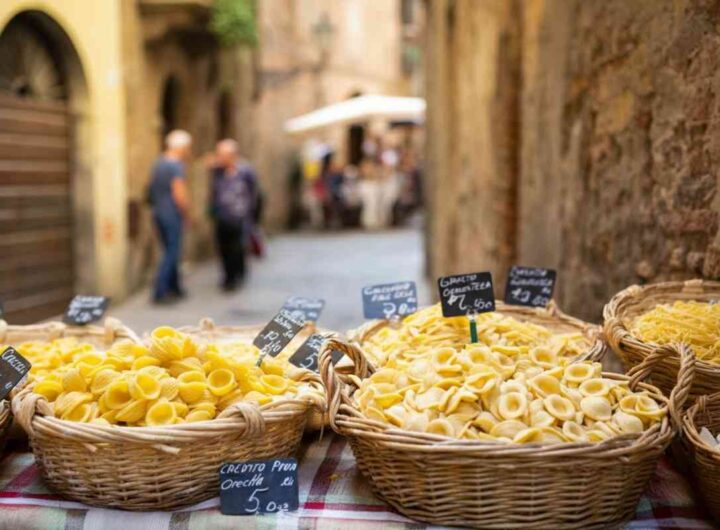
[
  {"x": 306, "y": 355},
  {"x": 262, "y": 486},
  {"x": 530, "y": 286},
  {"x": 389, "y": 299},
  {"x": 306, "y": 309},
  {"x": 278, "y": 333},
  {"x": 13, "y": 367},
  {"x": 2, "y": 310},
  {"x": 85, "y": 309},
  {"x": 466, "y": 294}
]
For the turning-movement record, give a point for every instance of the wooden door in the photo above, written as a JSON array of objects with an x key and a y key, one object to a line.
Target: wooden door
[{"x": 36, "y": 228}]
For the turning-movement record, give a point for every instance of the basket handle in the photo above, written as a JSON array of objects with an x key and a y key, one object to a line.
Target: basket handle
[
  {"x": 248, "y": 412},
  {"x": 685, "y": 374},
  {"x": 336, "y": 389}
]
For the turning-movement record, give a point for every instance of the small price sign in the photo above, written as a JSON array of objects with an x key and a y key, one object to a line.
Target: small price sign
[
  {"x": 306, "y": 309},
  {"x": 13, "y": 368},
  {"x": 83, "y": 310},
  {"x": 530, "y": 286},
  {"x": 263, "y": 486},
  {"x": 389, "y": 299},
  {"x": 466, "y": 294},
  {"x": 306, "y": 355},
  {"x": 278, "y": 333}
]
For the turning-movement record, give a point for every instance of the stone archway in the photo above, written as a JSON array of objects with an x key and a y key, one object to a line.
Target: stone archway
[{"x": 46, "y": 234}]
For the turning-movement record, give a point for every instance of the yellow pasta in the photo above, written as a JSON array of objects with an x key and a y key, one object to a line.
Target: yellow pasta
[
  {"x": 696, "y": 324},
  {"x": 172, "y": 380},
  {"x": 517, "y": 385}
]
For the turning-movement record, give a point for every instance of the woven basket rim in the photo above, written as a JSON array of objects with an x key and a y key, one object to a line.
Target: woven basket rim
[
  {"x": 32, "y": 412},
  {"x": 346, "y": 419},
  {"x": 112, "y": 329},
  {"x": 619, "y": 336}
]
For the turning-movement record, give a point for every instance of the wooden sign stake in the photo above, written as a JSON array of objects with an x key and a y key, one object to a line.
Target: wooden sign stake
[{"x": 473, "y": 327}]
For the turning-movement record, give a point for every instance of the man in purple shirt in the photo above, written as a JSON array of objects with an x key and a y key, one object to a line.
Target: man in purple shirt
[{"x": 233, "y": 199}]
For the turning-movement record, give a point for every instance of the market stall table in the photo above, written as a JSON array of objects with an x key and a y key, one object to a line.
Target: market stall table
[{"x": 332, "y": 495}]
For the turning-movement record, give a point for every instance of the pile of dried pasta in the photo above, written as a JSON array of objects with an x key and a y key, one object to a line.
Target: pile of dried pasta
[
  {"x": 173, "y": 380},
  {"x": 517, "y": 385},
  {"x": 427, "y": 330},
  {"x": 696, "y": 324}
]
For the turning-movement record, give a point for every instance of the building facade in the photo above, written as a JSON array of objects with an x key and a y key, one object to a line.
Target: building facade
[
  {"x": 87, "y": 90},
  {"x": 317, "y": 52}
]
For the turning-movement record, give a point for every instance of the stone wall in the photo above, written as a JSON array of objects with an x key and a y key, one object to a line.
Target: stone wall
[
  {"x": 472, "y": 69},
  {"x": 617, "y": 149}
]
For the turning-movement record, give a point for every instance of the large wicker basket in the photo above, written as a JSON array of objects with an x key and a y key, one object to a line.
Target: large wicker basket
[
  {"x": 446, "y": 481},
  {"x": 158, "y": 468},
  {"x": 636, "y": 300},
  {"x": 207, "y": 331},
  {"x": 705, "y": 459}
]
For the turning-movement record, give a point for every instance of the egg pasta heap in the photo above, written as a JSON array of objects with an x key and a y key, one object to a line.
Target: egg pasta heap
[
  {"x": 696, "y": 324},
  {"x": 516, "y": 385},
  {"x": 173, "y": 380}
]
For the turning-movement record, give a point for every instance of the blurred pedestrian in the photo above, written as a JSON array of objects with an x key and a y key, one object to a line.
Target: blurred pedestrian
[
  {"x": 170, "y": 203},
  {"x": 233, "y": 206}
]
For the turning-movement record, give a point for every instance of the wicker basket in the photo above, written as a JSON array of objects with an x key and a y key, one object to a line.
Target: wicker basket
[
  {"x": 207, "y": 331},
  {"x": 446, "y": 481},
  {"x": 636, "y": 300},
  {"x": 158, "y": 468},
  {"x": 704, "y": 459}
]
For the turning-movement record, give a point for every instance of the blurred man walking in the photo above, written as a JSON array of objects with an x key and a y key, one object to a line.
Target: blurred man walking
[
  {"x": 170, "y": 206},
  {"x": 233, "y": 201}
]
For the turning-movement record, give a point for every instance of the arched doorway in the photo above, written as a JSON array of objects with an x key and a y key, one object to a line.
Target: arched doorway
[{"x": 42, "y": 91}]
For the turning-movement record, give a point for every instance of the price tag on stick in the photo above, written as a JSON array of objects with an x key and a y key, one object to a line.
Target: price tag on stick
[
  {"x": 306, "y": 309},
  {"x": 389, "y": 300},
  {"x": 13, "y": 368},
  {"x": 465, "y": 294},
  {"x": 277, "y": 334},
  {"x": 530, "y": 286},
  {"x": 263, "y": 486},
  {"x": 306, "y": 355},
  {"x": 83, "y": 310}
]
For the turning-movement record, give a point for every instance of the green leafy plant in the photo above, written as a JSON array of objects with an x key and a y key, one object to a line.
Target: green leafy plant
[{"x": 234, "y": 22}]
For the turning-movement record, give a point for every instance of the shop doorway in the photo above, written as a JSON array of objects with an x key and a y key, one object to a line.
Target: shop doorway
[{"x": 41, "y": 88}]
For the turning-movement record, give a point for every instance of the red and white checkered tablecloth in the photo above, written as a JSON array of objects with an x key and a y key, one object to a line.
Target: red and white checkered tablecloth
[{"x": 333, "y": 495}]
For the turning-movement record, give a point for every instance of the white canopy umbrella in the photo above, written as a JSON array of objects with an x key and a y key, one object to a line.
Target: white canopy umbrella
[{"x": 359, "y": 109}]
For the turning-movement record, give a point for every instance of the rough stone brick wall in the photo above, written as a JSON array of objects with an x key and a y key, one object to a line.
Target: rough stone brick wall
[
  {"x": 618, "y": 146},
  {"x": 621, "y": 143}
]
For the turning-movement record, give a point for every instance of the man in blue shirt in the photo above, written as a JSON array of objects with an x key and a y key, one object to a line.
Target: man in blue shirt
[
  {"x": 170, "y": 206},
  {"x": 233, "y": 200}
]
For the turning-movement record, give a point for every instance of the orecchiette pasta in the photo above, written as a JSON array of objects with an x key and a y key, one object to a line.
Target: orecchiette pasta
[
  {"x": 518, "y": 384},
  {"x": 172, "y": 380}
]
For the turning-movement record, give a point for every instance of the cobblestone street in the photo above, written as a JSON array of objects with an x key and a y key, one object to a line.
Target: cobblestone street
[{"x": 331, "y": 266}]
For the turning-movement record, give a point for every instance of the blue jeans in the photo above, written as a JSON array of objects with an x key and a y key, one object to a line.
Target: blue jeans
[{"x": 167, "y": 280}]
